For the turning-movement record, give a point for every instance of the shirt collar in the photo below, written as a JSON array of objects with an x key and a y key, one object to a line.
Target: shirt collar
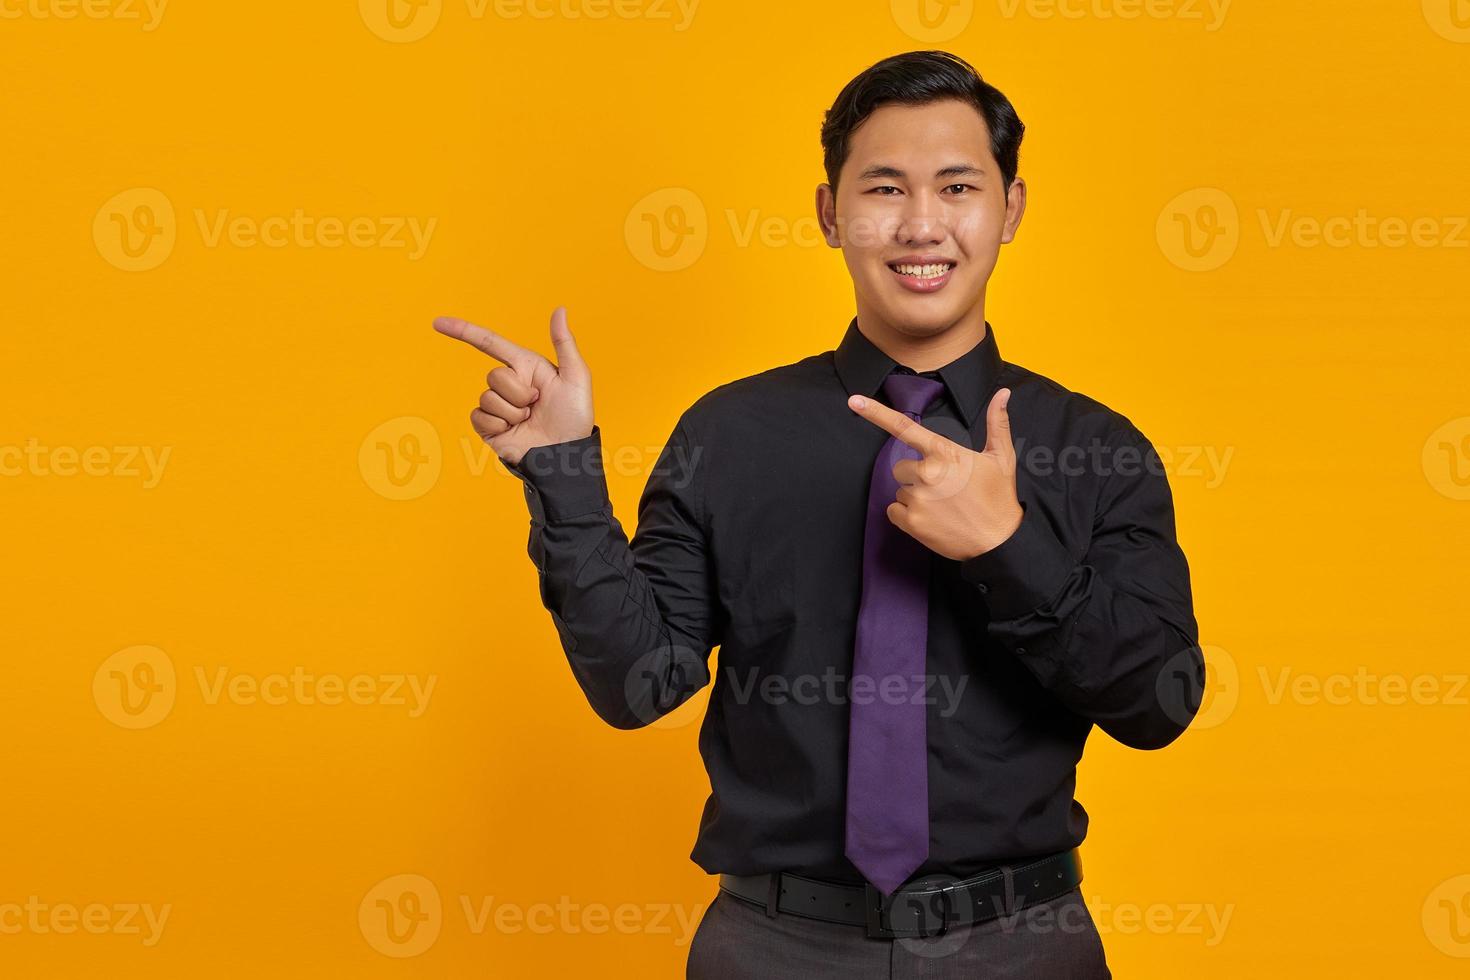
[{"x": 970, "y": 378}]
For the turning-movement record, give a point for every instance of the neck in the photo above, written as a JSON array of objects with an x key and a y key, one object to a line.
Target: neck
[{"x": 925, "y": 351}]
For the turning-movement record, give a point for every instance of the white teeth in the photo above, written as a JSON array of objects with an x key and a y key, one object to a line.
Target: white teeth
[{"x": 924, "y": 271}]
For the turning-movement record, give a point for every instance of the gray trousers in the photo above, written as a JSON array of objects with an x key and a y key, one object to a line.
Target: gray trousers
[{"x": 1054, "y": 940}]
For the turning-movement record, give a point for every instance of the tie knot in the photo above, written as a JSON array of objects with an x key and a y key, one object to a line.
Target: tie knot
[{"x": 911, "y": 394}]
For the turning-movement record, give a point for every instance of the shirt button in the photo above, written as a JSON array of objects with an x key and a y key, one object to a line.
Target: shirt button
[
  {"x": 1021, "y": 651},
  {"x": 983, "y": 588}
]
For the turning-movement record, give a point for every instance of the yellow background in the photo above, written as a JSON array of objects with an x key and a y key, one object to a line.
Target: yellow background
[{"x": 1328, "y": 829}]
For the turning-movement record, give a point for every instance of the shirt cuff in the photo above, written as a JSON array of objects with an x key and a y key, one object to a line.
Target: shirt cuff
[
  {"x": 1023, "y": 572},
  {"x": 564, "y": 479}
]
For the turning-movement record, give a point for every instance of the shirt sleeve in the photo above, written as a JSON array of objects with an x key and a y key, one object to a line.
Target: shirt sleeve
[
  {"x": 634, "y": 618},
  {"x": 1113, "y": 635}
]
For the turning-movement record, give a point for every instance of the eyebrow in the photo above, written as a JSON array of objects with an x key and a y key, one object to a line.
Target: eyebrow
[{"x": 954, "y": 170}]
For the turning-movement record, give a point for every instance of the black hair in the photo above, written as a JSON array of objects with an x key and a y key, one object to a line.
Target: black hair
[{"x": 918, "y": 78}]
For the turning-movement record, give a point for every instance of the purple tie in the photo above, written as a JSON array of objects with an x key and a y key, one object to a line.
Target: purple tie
[{"x": 887, "y": 750}]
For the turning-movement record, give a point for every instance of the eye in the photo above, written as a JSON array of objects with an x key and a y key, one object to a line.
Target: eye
[
  {"x": 884, "y": 187},
  {"x": 962, "y": 187}
]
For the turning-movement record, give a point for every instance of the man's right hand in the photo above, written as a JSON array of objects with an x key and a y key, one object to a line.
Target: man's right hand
[{"x": 531, "y": 401}]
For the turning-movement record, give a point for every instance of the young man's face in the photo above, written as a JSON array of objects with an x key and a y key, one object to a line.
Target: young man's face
[{"x": 920, "y": 186}]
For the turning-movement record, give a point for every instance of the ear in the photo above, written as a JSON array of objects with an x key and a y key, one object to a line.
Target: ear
[
  {"x": 1015, "y": 208},
  {"x": 827, "y": 214}
]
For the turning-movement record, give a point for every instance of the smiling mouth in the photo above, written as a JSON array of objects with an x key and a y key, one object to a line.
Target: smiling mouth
[
  {"x": 922, "y": 272},
  {"x": 924, "y": 279}
]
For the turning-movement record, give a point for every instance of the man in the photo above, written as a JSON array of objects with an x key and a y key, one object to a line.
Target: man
[{"x": 930, "y": 573}]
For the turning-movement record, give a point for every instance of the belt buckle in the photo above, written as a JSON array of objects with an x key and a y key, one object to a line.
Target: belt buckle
[{"x": 878, "y": 915}]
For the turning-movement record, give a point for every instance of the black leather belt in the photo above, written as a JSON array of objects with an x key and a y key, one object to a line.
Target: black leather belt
[{"x": 919, "y": 909}]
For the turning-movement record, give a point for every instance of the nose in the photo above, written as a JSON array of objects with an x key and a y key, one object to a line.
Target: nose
[{"x": 921, "y": 222}]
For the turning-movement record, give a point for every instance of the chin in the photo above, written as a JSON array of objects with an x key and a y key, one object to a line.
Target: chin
[
  {"x": 922, "y": 320},
  {"x": 924, "y": 315}
]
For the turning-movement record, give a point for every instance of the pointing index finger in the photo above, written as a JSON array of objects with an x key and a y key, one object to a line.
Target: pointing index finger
[
  {"x": 497, "y": 346},
  {"x": 896, "y": 424}
]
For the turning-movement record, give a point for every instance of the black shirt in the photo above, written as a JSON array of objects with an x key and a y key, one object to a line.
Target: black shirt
[{"x": 750, "y": 539}]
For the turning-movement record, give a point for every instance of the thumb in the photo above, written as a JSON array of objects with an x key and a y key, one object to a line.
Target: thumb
[
  {"x": 998, "y": 425},
  {"x": 569, "y": 363}
]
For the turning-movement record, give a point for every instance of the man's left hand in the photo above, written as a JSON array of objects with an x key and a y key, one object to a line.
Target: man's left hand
[{"x": 956, "y": 502}]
